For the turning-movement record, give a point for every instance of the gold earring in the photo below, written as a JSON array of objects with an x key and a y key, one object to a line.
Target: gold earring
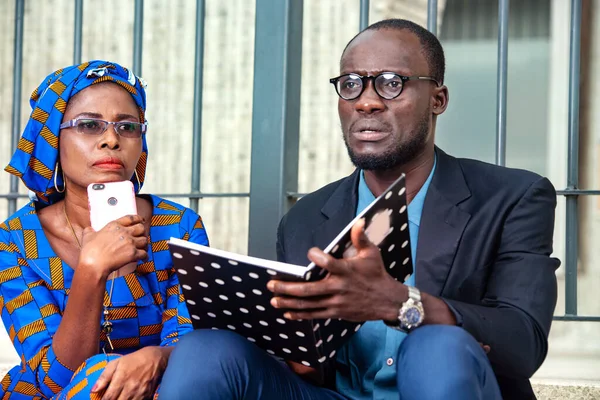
[
  {"x": 64, "y": 182},
  {"x": 138, "y": 179}
]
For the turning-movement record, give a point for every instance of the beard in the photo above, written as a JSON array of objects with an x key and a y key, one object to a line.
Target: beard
[{"x": 398, "y": 153}]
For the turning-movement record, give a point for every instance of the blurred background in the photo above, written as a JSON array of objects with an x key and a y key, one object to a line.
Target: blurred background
[{"x": 537, "y": 109}]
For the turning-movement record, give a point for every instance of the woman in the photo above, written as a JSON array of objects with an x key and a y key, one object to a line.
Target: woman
[{"x": 90, "y": 313}]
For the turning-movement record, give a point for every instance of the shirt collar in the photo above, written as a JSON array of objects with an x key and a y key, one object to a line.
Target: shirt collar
[{"x": 415, "y": 208}]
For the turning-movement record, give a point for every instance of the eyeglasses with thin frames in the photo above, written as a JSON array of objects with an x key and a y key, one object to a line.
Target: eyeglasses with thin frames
[
  {"x": 97, "y": 127},
  {"x": 387, "y": 85}
]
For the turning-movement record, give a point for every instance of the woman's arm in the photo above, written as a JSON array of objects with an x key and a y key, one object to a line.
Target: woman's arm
[
  {"x": 54, "y": 345},
  {"x": 31, "y": 316},
  {"x": 77, "y": 336},
  {"x": 176, "y": 318},
  {"x": 117, "y": 244}
]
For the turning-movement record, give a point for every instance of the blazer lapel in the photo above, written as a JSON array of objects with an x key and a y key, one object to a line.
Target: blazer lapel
[
  {"x": 338, "y": 211},
  {"x": 442, "y": 221},
  {"x": 442, "y": 224}
]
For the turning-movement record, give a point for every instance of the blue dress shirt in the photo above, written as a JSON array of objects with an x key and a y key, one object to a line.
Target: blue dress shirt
[{"x": 371, "y": 353}]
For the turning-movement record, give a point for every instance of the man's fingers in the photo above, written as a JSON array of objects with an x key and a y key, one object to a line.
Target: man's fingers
[
  {"x": 358, "y": 236},
  {"x": 294, "y": 303},
  {"x": 106, "y": 376},
  {"x": 485, "y": 347},
  {"x": 310, "y": 314},
  {"x": 326, "y": 261},
  {"x": 300, "y": 289}
]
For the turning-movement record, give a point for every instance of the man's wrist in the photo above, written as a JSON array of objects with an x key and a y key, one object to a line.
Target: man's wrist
[
  {"x": 399, "y": 295},
  {"x": 407, "y": 311},
  {"x": 438, "y": 311}
]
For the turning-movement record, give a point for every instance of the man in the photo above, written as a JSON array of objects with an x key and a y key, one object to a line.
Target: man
[{"x": 481, "y": 236}]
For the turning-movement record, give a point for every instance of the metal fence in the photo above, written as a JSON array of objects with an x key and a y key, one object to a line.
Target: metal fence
[{"x": 276, "y": 117}]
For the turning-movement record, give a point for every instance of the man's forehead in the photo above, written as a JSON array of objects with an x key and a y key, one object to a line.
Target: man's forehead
[{"x": 384, "y": 50}]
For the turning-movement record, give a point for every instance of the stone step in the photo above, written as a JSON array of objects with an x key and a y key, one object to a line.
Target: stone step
[
  {"x": 544, "y": 389},
  {"x": 566, "y": 390}
]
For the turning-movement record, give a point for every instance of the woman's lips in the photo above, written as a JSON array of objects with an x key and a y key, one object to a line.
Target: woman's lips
[{"x": 108, "y": 165}]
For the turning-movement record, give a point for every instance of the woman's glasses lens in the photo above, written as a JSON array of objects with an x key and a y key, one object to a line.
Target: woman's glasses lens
[{"x": 98, "y": 127}]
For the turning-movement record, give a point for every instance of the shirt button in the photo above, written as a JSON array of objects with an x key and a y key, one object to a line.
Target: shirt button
[{"x": 390, "y": 361}]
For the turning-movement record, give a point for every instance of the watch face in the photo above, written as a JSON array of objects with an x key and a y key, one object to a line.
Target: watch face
[{"x": 412, "y": 316}]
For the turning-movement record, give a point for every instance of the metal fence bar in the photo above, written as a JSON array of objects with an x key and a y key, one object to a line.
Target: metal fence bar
[
  {"x": 432, "y": 7},
  {"x": 578, "y": 192},
  {"x": 364, "y": 14},
  {"x": 503, "y": 9},
  {"x": 138, "y": 35},
  {"x": 572, "y": 223},
  {"x": 16, "y": 100},
  {"x": 197, "y": 124},
  {"x": 178, "y": 195},
  {"x": 202, "y": 195},
  {"x": 576, "y": 318},
  {"x": 77, "y": 32},
  {"x": 275, "y": 119}
]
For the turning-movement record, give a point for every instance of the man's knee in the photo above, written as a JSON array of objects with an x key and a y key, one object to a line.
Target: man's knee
[
  {"x": 438, "y": 340},
  {"x": 216, "y": 363},
  {"x": 435, "y": 360},
  {"x": 207, "y": 355},
  {"x": 210, "y": 346}
]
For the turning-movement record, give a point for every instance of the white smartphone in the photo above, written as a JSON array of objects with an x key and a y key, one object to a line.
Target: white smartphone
[{"x": 110, "y": 201}]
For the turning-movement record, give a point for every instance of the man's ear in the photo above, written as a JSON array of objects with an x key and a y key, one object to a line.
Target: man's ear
[{"x": 440, "y": 100}]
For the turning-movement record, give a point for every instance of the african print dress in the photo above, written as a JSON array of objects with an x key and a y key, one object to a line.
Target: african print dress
[{"x": 147, "y": 307}]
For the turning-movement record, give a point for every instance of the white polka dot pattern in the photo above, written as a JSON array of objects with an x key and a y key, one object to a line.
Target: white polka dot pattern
[{"x": 225, "y": 293}]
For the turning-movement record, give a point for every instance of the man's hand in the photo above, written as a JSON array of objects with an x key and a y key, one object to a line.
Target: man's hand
[
  {"x": 357, "y": 288},
  {"x": 307, "y": 373},
  {"x": 134, "y": 376}
]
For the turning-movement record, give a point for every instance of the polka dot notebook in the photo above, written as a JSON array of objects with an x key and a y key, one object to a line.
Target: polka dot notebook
[{"x": 228, "y": 291}]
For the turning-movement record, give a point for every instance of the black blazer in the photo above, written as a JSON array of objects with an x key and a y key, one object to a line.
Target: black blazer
[{"x": 484, "y": 246}]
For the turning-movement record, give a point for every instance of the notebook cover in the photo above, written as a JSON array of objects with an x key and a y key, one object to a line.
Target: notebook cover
[{"x": 228, "y": 291}]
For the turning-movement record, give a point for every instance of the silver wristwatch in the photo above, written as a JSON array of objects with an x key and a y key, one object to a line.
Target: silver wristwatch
[{"x": 412, "y": 313}]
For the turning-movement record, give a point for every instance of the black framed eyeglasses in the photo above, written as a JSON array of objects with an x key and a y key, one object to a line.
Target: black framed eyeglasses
[
  {"x": 96, "y": 127},
  {"x": 388, "y": 85}
]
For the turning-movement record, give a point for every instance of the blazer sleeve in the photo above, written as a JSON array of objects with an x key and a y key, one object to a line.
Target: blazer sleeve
[
  {"x": 280, "y": 244},
  {"x": 515, "y": 314}
]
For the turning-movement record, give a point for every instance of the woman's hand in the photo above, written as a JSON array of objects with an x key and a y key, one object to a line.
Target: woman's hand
[
  {"x": 117, "y": 244},
  {"x": 134, "y": 376}
]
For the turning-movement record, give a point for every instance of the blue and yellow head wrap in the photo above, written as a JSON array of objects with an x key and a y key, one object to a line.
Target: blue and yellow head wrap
[{"x": 36, "y": 156}]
